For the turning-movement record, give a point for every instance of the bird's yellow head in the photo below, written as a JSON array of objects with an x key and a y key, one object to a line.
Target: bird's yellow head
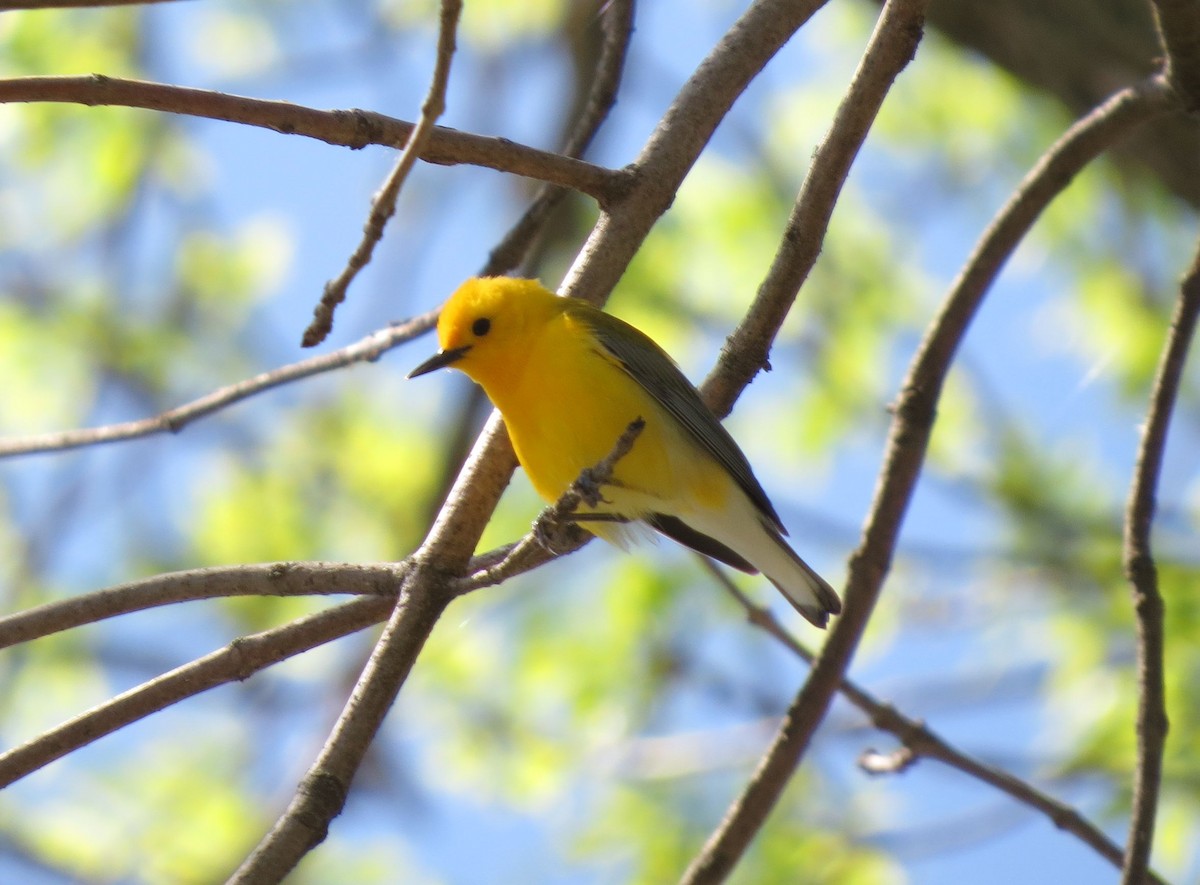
[{"x": 485, "y": 324}]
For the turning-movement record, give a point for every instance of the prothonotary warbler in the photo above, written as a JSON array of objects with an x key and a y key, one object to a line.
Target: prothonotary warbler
[{"x": 568, "y": 379}]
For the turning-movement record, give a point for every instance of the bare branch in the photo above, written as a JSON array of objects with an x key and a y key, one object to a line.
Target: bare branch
[
  {"x": 918, "y": 741},
  {"x": 678, "y": 139},
  {"x": 908, "y": 440},
  {"x": 1178, "y": 24},
  {"x": 1143, "y": 579},
  {"x": 350, "y": 128},
  {"x": 236, "y": 661},
  {"x": 383, "y": 205},
  {"x": 889, "y": 50},
  {"x": 11, "y": 5},
  {"x": 322, "y": 794},
  {"x": 268, "y": 579},
  {"x": 554, "y": 532},
  {"x": 367, "y": 349},
  {"x": 617, "y": 19},
  {"x": 745, "y": 352}
]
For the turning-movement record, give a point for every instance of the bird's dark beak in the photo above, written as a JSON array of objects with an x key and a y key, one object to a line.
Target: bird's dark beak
[{"x": 440, "y": 360}]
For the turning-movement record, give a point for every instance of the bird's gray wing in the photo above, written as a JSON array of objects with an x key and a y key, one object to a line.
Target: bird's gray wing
[{"x": 652, "y": 368}]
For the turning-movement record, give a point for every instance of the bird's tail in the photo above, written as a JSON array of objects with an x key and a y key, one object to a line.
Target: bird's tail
[
  {"x": 808, "y": 592},
  {"x": 747, "y": 541}
]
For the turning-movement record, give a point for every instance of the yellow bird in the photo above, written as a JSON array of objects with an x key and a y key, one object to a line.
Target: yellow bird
[{"x": 568, "y": 379}]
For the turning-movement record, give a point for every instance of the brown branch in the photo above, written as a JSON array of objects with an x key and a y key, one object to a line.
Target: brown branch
[
  {"x": 423, "y": 598},
  {"x": 383, "y": 204},
  {"x": 268, "y": 579},
  {"x": 321, "y": 795},
  {"x": 920, "y": 742},
  {"x": 908, "y": 440},
  {"x": 617, "y": 24},
  {"x": 11, "y": 5},
  {"x": 1178, "y": 23},
  {"x": 235, "y": 662},
  {"x": 678, "y": 140},
  {"x": 891, "y": 47},
  {"x": 554, "y": 533},
  {"x": 1142, "y": 573},
  {"x": 367, "y": 349},
  {"x": 745, "y": 352},
  {"x": 349, "y": 128}
]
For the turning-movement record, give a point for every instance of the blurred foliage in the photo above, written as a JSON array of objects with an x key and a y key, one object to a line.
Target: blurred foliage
[
  {"x": 600, "y": 712},
  {"x": 489, "y": 27}
]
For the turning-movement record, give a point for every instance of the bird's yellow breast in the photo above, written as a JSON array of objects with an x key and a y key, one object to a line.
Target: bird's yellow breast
[{"x": 567, "y": 404}]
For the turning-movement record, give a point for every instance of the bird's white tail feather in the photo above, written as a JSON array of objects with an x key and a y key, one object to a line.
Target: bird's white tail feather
[{"x": 763, "y": 547}]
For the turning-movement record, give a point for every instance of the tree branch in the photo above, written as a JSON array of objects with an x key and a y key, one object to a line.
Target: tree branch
[
  {"x": 745, "y": 351},
  {"x": 12, "y": 5},
  {"x": 617, "y": 24},
  {"x": 367, "y": 349},
  {"x": 908, "y": 440},
  {"x": 350, "y": 128},
  {"x": 235, "y": 662},
  {"x": 1178, "y": 23},
  {"x": 383, "y": 205},
  {"x": 424, "y": 595},
  {"x": 919, "y": 741},
  {"x": 1143, "y": 580},
  {"x": 268, "y": 579},
  {"x": 891, "y": 47}
]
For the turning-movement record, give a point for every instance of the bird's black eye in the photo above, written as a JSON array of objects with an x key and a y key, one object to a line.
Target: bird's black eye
[{"x": 481, "y": 327}]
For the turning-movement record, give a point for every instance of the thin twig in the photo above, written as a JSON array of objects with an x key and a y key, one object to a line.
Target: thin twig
[
  {"x": 367, "y": 349},
  {"x": 891, "y": 47},
  {"x": 322, "y": 793},
  {"x": 745, "y": 352},
  {"x": 383, "y": 205},
  {"x": 1142, "y": 573},
  {"x": 920, "y": 742},
  {"x": 268, "y": 579},
  {"x": 235, "y": 662},
  {"x": 617, "y": 24},
  {"x": 908, "y": 439},
  {"x": 12, "y": 5},
  {"x": 348, "y": 128},
  {"x": 554, "y": 533},
  {"x": 1178, "y": 23}
]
